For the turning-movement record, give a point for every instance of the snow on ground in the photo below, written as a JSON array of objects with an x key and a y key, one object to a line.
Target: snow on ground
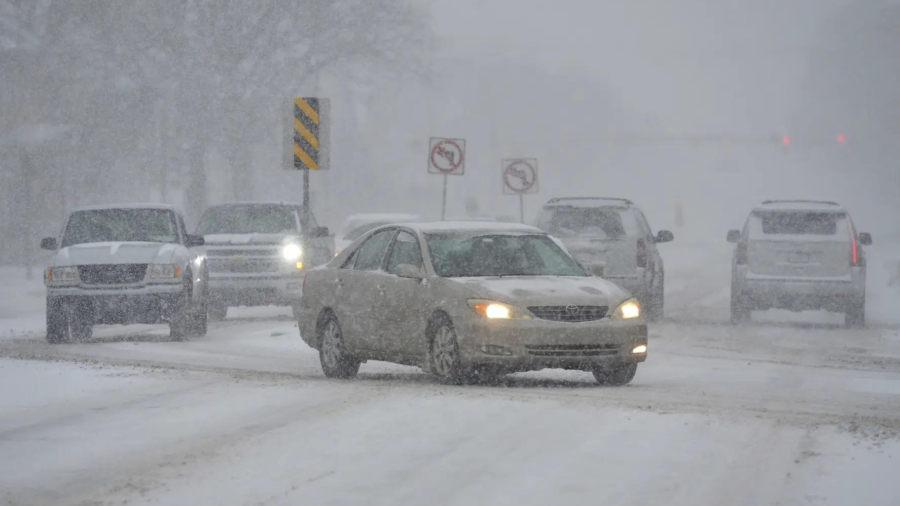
[{"x": 790, "y": 409}]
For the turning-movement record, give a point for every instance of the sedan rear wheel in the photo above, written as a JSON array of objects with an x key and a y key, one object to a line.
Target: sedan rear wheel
[
  {"x": 336, "y": 362},
  {"x": 445, "y": 358},
  {"x": 614, "y": 374}
]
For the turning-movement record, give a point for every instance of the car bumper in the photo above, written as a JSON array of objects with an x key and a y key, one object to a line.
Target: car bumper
[
  {"x": 801, "y": 294},
  {"x": 150, "y": 304},
  {"x": 538, "y": 344},
  {"x": 256, "y": 291}
]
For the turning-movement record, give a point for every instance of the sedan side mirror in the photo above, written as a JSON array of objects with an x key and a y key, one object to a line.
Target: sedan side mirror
[
  {"x": 49, "y": 243},
  {"x": 192, "y": 241},
  {"x": 664, "y": 236},
  {"x": 409, "y": 271},
  {"x": 734, "y": 235},
  {"x": 321, "y": 232},
  {"x": 865, "y": 238}
]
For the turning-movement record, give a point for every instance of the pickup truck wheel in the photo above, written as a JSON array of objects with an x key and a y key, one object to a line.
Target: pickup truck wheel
[
  {"x": 217, "y": 311},
  {"x": 80, "y": 317},
  {"x": 191, "y": 319},
  {"x": 57, "y": 324},
  {"x": 614, "y": 375},
  {"x": 740, "y": 313}
]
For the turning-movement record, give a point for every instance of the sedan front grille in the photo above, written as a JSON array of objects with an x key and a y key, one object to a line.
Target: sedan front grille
[
  {"x": 572, "y": 350},
  {"x": 569, "y": 314},
  {"x": 113, "y": 274}
]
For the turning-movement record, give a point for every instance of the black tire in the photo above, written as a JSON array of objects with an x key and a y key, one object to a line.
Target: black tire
[
  {"x": 855, "y": 317},
  {"x": 656, "y": 303},
  {"x": 217, "y": 311},
  {"x": 740, "y": 313},
  {"x": 80, "y": 319},
  {"x": 614, "y": 375},
  {"x": 191, "y": 319},
  {"x": 57, "y": 322},
  {"x": 444, "y": 359},
  {"x": 336, "y": 362}
]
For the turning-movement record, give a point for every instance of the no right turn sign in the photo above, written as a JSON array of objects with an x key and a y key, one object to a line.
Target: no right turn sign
[{"x": 520, "y": 176}]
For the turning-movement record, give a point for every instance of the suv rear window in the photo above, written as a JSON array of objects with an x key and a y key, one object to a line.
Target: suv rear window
[
  {"x": 800, "y": 223},
  {"x": 595, "y": 222}
]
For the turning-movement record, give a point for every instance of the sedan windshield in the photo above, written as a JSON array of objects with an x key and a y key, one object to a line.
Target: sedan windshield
[
  {"x": 472, "y": 255},
  {"x": 120, "y": 225},
  {"x": 256, "y": 219}
]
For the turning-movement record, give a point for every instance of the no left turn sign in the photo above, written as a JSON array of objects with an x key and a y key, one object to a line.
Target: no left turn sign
[
  {"x": 520, "y": 176},
  {"x": 447, "y": 156}
]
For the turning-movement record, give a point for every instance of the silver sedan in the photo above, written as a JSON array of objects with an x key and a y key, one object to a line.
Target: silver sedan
[{"x": 469, "y": 300}]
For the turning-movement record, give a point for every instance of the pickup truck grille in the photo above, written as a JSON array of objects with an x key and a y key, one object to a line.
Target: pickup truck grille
[
  {"x": 241, "y": 265},
  {"x": 269, "y": 252},
  {"x": 114, "y": 274},
  {"x": 570, "y": 314}
]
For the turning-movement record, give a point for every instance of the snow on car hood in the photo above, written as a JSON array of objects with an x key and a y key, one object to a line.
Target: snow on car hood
[
  {"x": 115, "y": 253},
  {"x": 243, "y": 239},
  {"x": 547, "y": 290}
]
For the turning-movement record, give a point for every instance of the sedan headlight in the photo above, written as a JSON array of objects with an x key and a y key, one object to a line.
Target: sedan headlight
[
  {"x": 291, "y": 252},
  {"x": 165, "y": 272},
  {"x": 497, "y": 310},
  {"x": 61, "y": 276},
  {"x": 627, "y": 310}
]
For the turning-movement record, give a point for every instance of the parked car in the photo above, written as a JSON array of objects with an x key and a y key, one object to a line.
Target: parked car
[
  {"x": 358, "y": 224},
  {"x": 612, "y": 236},
  {"x": 123, "y": 265},
  {"x": 258, "y": 253},
  {"x": 799, "y": 255},
  {"x": 466, "y": 300}
]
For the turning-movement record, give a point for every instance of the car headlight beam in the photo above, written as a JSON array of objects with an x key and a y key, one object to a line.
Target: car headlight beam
[
  {"x": 628, "y": 310},
  {"x": 291, "y": 252},
  {"x": 493, "y": 310}
]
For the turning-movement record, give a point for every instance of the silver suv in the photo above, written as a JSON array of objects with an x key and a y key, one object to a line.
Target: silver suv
[
  {"x": 612, "y": 236},
  {"x": 799, "y": 255}
]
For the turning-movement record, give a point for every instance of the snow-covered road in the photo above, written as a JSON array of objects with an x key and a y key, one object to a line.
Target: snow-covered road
[{"x": 788, "y": 410}]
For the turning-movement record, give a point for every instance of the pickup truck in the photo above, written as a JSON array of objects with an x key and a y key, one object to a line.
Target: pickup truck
[
  {"x": 259, "y": 252},
  {"x": 125, "y": 264}
]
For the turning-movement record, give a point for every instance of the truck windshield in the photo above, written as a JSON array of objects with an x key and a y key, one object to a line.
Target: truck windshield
[
  {"x": 241, "y": 219},
  {"x": 120, "y": 225}
]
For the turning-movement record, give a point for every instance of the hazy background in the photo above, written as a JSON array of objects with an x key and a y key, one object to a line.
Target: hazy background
[{"x": 663, "y": 102}]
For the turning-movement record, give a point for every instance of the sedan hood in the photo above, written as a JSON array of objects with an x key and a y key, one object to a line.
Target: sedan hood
[
  {"x": 529, "y": 291},
  {"x": 115, "y": 253},
  {"x": 245, "y": 239}
]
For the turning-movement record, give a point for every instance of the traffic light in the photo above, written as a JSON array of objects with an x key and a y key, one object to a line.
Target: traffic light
[
  {"x": 785, "y": 140},
  {"x": 841, "y": 138}
]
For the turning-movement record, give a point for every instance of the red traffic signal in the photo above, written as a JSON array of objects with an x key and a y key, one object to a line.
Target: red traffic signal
[
  {"x": 785, "y": 140},
  {"x": 841, "y": 138}
]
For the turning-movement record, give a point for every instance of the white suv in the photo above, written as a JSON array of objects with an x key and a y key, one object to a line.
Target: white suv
[
  {"x": 612, "y": 236},
  {"x": 799, "y": 255}
]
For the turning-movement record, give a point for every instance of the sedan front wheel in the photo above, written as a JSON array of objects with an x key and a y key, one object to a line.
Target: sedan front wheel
[
  {"x": 336, "y": 362},
  {"x": 445, "y": 359}
]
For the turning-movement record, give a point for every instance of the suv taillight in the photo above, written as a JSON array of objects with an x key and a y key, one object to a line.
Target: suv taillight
[
  {"x": 641, "y": 253},
  {"x": 854, "y": 246},
  {"x": 740, "y": 253}
]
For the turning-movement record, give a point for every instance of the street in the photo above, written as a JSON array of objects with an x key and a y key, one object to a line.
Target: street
[{"x": 785, "y": 410}]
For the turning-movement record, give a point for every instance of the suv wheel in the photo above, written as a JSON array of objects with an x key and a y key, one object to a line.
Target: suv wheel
[
  {"x": 855, "y": 317},
  {"x": 656, "y": 303},
  {"x": 739, "y": 310}
]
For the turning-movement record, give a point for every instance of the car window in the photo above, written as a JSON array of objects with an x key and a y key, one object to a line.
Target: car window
[
  {"x": 642, "y": 222},
  {"x": 593, "y": 222},
  {"x": 370, "y": 256},
  {"x": 405, "y": 251},
  {"x": 182, "y": 226},
  {"x": 798, "y": 223},
  {"x": 313, "y": 224},
  {"x": 358, "y": 231}
]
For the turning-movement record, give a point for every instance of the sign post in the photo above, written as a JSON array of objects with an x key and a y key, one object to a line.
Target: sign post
[
  {"x": 307, "y": 140},
  {"x": 520, "y": 177},
  {"x": 446, "y": 157}
]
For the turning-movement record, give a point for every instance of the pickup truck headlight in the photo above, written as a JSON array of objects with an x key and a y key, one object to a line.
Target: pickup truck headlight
[
  {"x": 292, "y": 252},
  {"x": 497, "y": 310},
  {"x": 61, "y": 276},
  {"x": 165, "y": 272},
  {"x": 627, "y": 310}
]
